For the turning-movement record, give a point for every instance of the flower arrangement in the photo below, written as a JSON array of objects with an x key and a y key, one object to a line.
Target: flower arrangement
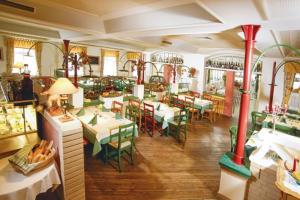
[{"x": 192, "y": 72}]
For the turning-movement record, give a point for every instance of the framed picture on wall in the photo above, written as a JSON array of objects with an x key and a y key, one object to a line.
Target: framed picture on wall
[{"x": 94, "y": 60}]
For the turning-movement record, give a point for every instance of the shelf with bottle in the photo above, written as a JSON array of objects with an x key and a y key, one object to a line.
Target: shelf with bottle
[
  {"x": 167, "y": 58},
  {"x": 229, "y": 65}
]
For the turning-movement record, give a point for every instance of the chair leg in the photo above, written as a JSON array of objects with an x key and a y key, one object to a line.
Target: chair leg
[
  {"x": 119, "y": 161},
  {"x": 131, "y": 154},
  {"x": 106, "y": 154}
]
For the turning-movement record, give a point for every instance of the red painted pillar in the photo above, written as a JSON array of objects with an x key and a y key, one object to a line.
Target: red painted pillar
[
  {"x": 66, "y": 56},
  {"x": 272, "y": 86},
  {"x": 75, "y": 71},
  {"x": 250, "y": 33}
]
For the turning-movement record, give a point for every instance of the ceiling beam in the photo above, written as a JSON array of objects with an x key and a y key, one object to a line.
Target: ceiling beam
[
  {"x": 210, "y": 11},
  {"x": 145, "y": 8},
  {"x": 24, "y": 30},
  {"x": 58, "y": 17}
]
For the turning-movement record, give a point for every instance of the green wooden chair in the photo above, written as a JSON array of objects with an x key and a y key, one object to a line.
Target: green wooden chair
[
  {"x": 122, "y": 142},
  {"x": 178, "y": 126},
  {"x": 233, "y": 139},
  {"x": 173, "y": 98},
  {"x": 257, "y": 119}
]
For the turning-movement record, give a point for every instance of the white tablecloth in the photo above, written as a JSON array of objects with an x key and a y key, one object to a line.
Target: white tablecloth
[
  {"x": 16, "y": 186},
  {"x": 199, "y": 103},
  {"x": 108, "y": 100},
  {"x": 267, "y": 140},
  {"x": 164, "y": 111},
  {"x": 105, "y": 122}
]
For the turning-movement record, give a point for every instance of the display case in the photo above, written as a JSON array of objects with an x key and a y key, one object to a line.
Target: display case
[{"x": 17, "y": 119}]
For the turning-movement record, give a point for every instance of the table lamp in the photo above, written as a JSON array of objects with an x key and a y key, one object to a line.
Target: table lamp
[
  {"x": 19, "y": 65},
  {"x": 63, "y": 87}
]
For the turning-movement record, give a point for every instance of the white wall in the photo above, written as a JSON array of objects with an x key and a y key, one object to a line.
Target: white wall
[
  {"x": 197, "y": 61},
  {"x": 50, "y": 59},
  {"x": 94, "y": 51},
  {"x": 266, "y": 80}
]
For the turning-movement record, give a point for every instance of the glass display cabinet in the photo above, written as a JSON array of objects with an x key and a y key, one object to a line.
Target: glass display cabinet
[{"x": 18, "y": 118}]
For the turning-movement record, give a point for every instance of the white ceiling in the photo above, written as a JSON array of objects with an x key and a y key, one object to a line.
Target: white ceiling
[{"x": 197, "y": 26}]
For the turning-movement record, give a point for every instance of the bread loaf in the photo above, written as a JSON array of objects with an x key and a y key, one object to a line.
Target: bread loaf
[{"x": 41, "y": 152}]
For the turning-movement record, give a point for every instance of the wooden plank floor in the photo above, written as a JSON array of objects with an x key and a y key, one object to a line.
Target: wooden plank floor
[{"x": 163, "y": 168}]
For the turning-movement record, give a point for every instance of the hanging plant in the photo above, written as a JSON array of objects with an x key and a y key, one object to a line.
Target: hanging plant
[{"x": 192, "y": 72}]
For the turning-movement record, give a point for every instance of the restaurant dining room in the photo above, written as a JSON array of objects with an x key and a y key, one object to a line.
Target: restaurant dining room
[{"x": 149, "y": 99}]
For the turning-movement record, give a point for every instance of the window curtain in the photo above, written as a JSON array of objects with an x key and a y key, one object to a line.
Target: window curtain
[
  {"x": 290, "y": 70},
  {"x": 12, "y": 43},
  {"x": 108, "y": 53},
  {"x": 133, "y": 55},
  {"x": 9, "y": 42},
  {"x": 38, "y": 57}
]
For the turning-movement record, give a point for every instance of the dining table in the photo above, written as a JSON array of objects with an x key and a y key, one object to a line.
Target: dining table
[
  {"x": 282, "y": 120},
  {"x": 200, "y": 104},
  {"x": 163, "y": 111},
  {"x": 105, "y": 123},
  {"x": 15, "y": 186}
]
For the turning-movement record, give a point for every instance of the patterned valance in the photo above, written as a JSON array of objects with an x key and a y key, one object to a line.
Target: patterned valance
[
  {"x": 133, "y": 55},
  {"x": 109, "y": 53},
  {"x": 23, "y": 43}
]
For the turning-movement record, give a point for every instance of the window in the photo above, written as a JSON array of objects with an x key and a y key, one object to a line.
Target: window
[
  {"x": 110, "y": 66},
  {"x": 296, "y": 84},
  {"x": 20, "y": 59}
]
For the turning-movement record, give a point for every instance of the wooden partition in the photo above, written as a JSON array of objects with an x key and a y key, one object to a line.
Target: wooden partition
[{"x": 68, "y": 142}]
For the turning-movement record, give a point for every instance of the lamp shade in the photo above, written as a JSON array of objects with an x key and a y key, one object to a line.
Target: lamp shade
[
  {"x": 62, "y": 86},
  {"x": 18, "y": 65}
]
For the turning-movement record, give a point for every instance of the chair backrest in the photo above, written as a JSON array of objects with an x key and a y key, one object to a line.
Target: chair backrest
[
  {"x": 183, "y": 117},
  {"x": 233, "y": 137},
  {"x": 173, "y": 98},
  {"x": 196, "y": 94},
  {"x": 206, "y": 96},
  {"x": 189, "y": 101},
  {"x": 126, "y": 133},
  {"x": 148, "y": 111},
  {"x": 256, "y": 115},
  {"x": 179, "y": 103},
  {"x": 215, "y": 104},
  {"x": 135, "y": 102},
  {"x": 221, "y": 105},
  {"x": 166, "y": 99},
  {"x": 132, "y": 113},
  {"x": 117, "y": 107}
]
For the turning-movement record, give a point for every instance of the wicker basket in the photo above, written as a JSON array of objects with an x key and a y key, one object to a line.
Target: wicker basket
[{"x": 20, "y": 163}]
